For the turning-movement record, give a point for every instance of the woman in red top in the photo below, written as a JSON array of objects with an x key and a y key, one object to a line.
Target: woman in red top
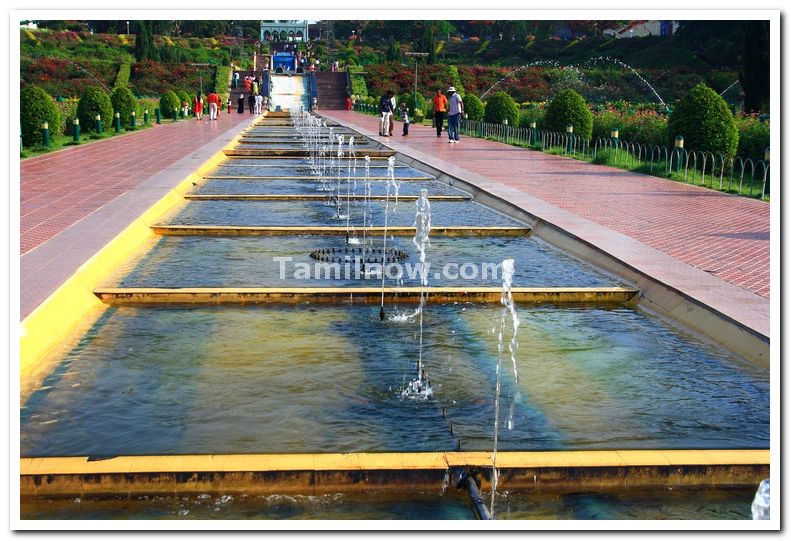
[{"x": 197, "y": 106}]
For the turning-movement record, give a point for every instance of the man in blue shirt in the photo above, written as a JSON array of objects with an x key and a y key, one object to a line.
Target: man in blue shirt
[{"x": 455, "y": 110}]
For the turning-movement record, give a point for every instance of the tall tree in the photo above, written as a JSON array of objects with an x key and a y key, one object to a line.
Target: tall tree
[
  {"x": 144, "y": 42},
  {"x": 754, "y": 68},
  {"x": 428, "y": 43}
]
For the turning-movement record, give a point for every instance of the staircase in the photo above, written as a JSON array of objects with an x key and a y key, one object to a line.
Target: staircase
[
  {"x": 289, "y": 92},
  {"x": 332, "y": 90}
]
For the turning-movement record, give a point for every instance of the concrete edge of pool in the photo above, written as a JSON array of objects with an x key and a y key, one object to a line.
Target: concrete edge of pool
[
  {"x": 315, "y": 473},
  {"x": 687, "y": 297},
  {"x": 278, "y": 230},
  {"x": 360, "y": 295}
]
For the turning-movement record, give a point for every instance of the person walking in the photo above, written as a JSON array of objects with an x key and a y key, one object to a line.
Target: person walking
[
  {"x": 236, "y": 79},
  {"x": 259, "y": 104},
  {"x": 240, "y": 104},
  {"x": 386, "y": 111},
  {"x": 405, "y": 117},
  {"x": 455, "y": 110},
  {"x": 197, "y": 106},
  {"x": 440, "y": 107},
  {"x": 255, "y": 87},
  {"x": 251, "y": 103},
  {"x": 392, "y": 120},
  {"x": 214, "y": 104}
]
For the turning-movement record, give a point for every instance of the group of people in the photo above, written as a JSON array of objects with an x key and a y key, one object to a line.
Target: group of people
[
  {"x": 452, "y": 104},
  {"x": 214, "y": 102},
  {"x": 255, "y": 103}
]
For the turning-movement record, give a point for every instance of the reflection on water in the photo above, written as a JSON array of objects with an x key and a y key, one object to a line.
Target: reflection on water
[{"x": 327, "y": 379}]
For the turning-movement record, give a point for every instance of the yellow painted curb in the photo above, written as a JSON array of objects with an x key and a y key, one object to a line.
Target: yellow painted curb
[
  {"x": 359, "y": 295},
  {"x": 73, "y": 305}
]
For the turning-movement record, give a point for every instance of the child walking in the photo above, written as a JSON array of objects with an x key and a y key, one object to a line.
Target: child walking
[{"x": 405, "y": 117}]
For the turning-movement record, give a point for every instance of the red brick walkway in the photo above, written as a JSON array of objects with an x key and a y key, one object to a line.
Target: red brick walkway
[
  {"x": 59, "y": 189},
  {"x": 724, "y": 235}
]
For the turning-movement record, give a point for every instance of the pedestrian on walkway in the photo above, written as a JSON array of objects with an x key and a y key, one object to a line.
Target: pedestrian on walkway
[
  {"x": 248, "y": 83},
  {"x": 255, "y": 87},
  {"x": 259, "y": 104},
  {"x": 456, "y": 108},
  {"x": 235, "y": 79},
  {"x": 240, "y": 104},
  {"x": 392, "y": 119},
  {"x": 197, "y": 106},
  {"x": 386, "y": 111},
  {"x": 404, "y": 111},
  {"x": 440, "y": 107},
  {"x": 251, "y": 103},
  {"x": 214, "y": 104}
]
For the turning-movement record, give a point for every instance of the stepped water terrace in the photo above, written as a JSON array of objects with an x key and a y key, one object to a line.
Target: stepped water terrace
[{"x": 320, "y": 331}]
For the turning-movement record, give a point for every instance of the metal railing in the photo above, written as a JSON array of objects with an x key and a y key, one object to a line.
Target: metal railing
[{"x": 744, "y": 176}]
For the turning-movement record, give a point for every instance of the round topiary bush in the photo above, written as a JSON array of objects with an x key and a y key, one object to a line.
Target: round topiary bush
[
  {"x": 37, "y": 107},
  {"x": 568, "y": 107},
  {"x": 184, "y": 97},
  {"x": 702, "y": 117},
  {"x": 94, "y": 101},
  {"x": 473, "y": 107},
  {"x": 501, "y": 107},
  {"x": 169, "y": 103},
  {"x": 124, "y": 102}
]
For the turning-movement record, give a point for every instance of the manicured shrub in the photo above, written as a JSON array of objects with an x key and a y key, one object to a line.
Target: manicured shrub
[
  {"x": 169, "y": 103},
  {"x": 501, "y": 107},
  {"x": 704, "y": 120},
  {"x": 37, "y": 107},
  {"x": 184, "y": 97},
  {"x": 452, "y": 73},
  {"x": 753, "y": 137},
  {"x": 415, "y": 101},
  {"x": 526, "y": 116},
  {"x": 473, "y": 107},
  {"x": 124, "y": 102},
  {"x": 94, "y": 101},
  {"x": 222, "y": 77},
  {"x": 568, "y": 107},
  {"x": 122, "y": 77}
]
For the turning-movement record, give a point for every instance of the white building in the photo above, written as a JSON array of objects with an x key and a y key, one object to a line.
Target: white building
[{"x": 641, "y": 29}]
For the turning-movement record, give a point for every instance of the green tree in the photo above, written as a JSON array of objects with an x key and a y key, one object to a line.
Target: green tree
[
  {"x": 568, "y": 107},
  {"x": 94, "y": 101},
  {"x": 144, "y": 41},
  {"x": 501, "y": 107},
  {"x": 754, "y": 68},
  {"x": 393, "y": 51},
  {"x": 169, "y": 103},
  {"x": 473, "y": 107},
  {"x": 37, "y": 107},
  {"x": 428, "y": 43},
  {"x": 124, "y": 102},
  {"x": 703, "y": 118}
]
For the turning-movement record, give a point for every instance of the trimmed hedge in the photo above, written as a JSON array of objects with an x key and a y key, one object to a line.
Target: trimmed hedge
[
  {"x": 37, "y": 107},
  {"x": 501, "y": 107},
  {"x": 473, "y": 106},
  {"x": 414, "y": 102},
  {"x": 704, "y": 120},
  {"x": 753, "y": 137},
  {"x": 169, "y": 103},
  {"x": 184, "y": 97},
  {"x": 124, "y": 102},
  {"x": 122, "y": 77},
  {"x": 568, "y": 107},
  {"x": 452, "y": 73},
  {"x": 94, "y": 101},
  {"x": 222, "y": 80}
]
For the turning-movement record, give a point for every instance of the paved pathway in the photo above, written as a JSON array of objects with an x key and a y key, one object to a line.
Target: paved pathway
[
  {"x": 61, "y": 188},
  {"x": 76, "y": 201},
  {"x": 724, "y": 235}
]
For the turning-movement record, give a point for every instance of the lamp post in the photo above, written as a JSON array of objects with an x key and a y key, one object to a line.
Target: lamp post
[
  {"x": 127, "y": 28},
  {"x": 570, "y": 132},
  {"x": 680, "y": 150},
  {"x": 416, "y": 55}
]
